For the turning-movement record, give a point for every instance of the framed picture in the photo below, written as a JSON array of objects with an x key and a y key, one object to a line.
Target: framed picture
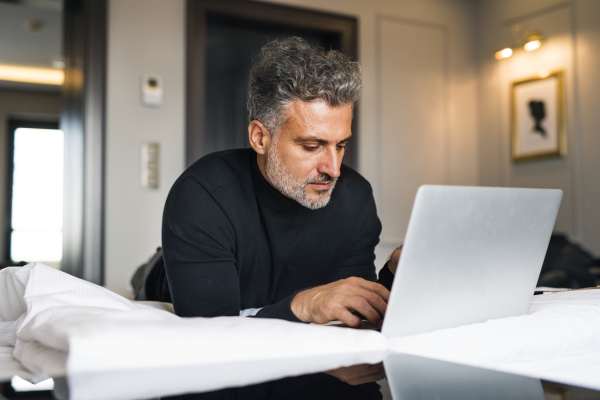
[{"x": 537, "y": 118}]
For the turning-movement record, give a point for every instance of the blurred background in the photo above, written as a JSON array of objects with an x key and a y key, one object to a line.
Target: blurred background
[{"x": 103, "y": 103}]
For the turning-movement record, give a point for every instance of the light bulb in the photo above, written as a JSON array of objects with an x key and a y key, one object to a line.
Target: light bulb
[
  {"x": 533, "y": 45},
  {"x": 504, "y": 53}
]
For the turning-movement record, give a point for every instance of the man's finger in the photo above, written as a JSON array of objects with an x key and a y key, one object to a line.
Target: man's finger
[
  {"x": 345, "y": 316},
  {"x": 371, "y": 374},
  {"x": 374, "y": 300},
  {"x": 367, "y": 378},
  {"x": 377, "y": 376},
  {"x": 361, "y": 305},
  {"x": 382, "y": 291},
  {"x": 373, "y": 368},
  {"x": 374, "y": 287}
]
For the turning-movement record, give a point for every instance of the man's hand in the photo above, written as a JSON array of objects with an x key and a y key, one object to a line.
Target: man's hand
[
  {"x": 359, "y": 374},
  {"x": 337, "y": 301},
  {"x": 394, "y": 258}
]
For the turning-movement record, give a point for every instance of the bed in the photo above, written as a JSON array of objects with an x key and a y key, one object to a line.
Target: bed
[{"x": 54, "y": 324}]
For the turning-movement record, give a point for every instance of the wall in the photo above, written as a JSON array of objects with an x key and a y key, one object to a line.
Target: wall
[
  {"x": 35, "y": 106},
  {"x": 587, "y": 81},
  {"x": 417, "y": 123},
  {"x": 572, "y": 32},
  {"x": 145, "y": 37}
]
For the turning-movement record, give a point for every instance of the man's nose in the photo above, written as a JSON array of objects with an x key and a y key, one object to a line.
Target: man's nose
[{"x": 330, "y": 164}]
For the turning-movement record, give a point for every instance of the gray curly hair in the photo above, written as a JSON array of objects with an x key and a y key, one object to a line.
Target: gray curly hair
[{"x": 291, "y": 69}]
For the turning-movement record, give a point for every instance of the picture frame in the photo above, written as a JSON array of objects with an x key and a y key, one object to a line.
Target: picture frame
[{"x": 537, "y": 118}]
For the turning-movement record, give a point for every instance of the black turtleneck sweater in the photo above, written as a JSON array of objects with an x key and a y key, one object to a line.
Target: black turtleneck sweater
[{"x": 232, "y": 242}]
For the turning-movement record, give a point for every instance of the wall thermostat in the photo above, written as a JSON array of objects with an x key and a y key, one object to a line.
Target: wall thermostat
[{"x": 152, "y": 91}]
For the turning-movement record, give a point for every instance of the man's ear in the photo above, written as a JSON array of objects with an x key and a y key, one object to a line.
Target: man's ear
[{"x": 259, "y": 136}]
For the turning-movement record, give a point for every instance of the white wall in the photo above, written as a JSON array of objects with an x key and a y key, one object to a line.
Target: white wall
[
  {"x": 400, "y": 114},
  {"x": 145, "y": 37},
  {"x": 572, "y": 30}
]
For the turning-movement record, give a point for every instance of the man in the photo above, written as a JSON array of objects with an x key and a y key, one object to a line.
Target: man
[{"x": 282, "y": 230}]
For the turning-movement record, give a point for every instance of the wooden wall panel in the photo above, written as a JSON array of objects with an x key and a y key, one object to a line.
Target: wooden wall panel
[{"x": 413, "y": 135}]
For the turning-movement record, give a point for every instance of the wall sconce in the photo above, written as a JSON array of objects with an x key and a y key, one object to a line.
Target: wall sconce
[
  {"x": 534, "y": 43},
  {"x": 504, "y": 53},
  {"x": 528, "y": 40}
]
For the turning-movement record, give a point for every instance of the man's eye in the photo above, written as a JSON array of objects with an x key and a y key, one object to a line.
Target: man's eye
[
  {"x": 342, "y": 147},
  {"x": 311, "y": 148}
]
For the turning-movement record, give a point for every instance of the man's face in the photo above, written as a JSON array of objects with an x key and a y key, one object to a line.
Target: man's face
[{"x": 304, "y": 158}]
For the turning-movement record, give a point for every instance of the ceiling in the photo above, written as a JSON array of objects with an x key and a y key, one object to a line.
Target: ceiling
[{"x": 22, "y": 46}]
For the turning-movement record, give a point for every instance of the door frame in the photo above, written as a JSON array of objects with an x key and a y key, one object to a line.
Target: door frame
[
  {"x": 83, "y": 124},
  {"x": 196, "y": 36}
]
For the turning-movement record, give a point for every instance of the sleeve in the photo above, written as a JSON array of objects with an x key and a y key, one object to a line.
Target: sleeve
[
  {"x": 280, "y": 310},
  {"x": 360, "y": 260},
  {"x": 199, "y": 253},
  {"x": 386, "y": 278}
]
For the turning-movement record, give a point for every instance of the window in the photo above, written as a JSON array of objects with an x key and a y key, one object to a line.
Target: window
[{"x": 36, "y": 195}]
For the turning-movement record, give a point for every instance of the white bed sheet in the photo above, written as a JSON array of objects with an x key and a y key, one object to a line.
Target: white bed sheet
[
  {"x": 61, "y": 324},
  {"x": 58, "y": 323},
  {"x": 579, "y": 369},
  {"x": 9, "y": 366},
  {"x": 560, "y": 333}
]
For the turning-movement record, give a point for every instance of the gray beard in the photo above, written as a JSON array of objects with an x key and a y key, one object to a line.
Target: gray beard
[{"x": 293, "y": 188}]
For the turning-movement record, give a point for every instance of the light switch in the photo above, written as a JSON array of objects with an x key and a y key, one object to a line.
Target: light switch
[
  {"x": 149, "y": 165},
  {"x": 152, "y": 91}
]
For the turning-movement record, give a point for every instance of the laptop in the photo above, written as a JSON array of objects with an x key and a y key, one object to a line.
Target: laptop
[
  {"x": 417, "y": 378},
  {"x": 470, "y": 254}
]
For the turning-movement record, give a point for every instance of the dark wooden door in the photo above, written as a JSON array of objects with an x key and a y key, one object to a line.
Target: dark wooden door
[{"x": 224, "y": 39}]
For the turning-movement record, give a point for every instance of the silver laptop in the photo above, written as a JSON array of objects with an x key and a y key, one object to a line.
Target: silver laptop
[
  {"x": 417, "y": 378},
  {"x": 470, "y": 254}
]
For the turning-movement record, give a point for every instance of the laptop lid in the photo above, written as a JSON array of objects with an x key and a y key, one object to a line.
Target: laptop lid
[
  {"x": 470, "y": 254},
  {"x": 418, "y": 378}
]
